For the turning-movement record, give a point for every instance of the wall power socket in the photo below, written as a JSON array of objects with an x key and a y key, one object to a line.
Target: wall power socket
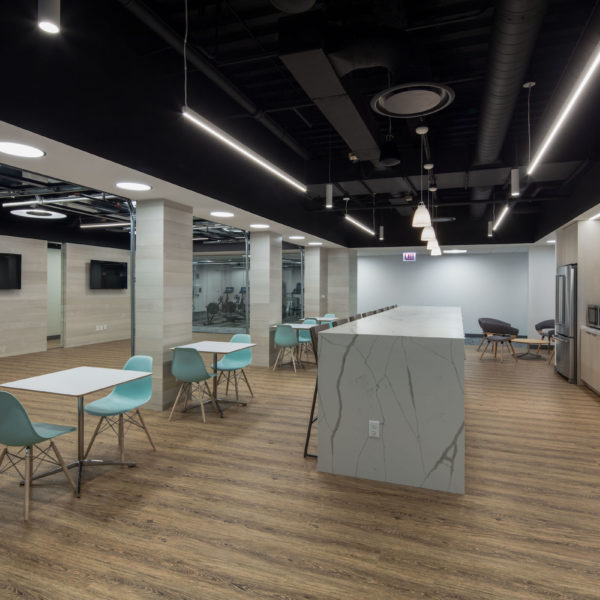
[{"x": 374, "y": 429}]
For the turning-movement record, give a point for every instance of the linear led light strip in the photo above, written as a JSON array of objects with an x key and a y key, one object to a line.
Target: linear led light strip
[
  {"x": 359, "y": 224},
  {"x": 201, "y": 122},
  {"x": 103, "y": 225},
  {"x": 564, "y": 113},
  {"x": 502, "y": 215}
]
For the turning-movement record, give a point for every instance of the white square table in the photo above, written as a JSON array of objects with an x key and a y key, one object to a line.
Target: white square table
[
  {"x": 323, "y": 319},
  {"x": 215, "y": 348},
  {"x": 78, "y": 382}
]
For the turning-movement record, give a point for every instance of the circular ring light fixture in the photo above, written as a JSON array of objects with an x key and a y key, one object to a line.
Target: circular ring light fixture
[
  {"x": 222, "y": 214},
  {"x": 20, "y": 150},
  {"x": 133, "y": 186},
  {"x": 38, "y": 213},
  {"x": 410, "y": 100}
]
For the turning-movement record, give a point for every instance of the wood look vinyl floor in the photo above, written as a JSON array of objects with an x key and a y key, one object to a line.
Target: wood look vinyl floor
[{"x": 230, "y": 509}]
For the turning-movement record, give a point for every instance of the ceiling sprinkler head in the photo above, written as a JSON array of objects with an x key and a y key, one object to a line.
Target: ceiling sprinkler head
[
  {"x": 422, "y": 130},
  {"x": 428, "y": 166}
]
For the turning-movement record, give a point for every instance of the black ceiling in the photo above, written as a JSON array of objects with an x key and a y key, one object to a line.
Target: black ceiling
[{"x": 112, "y": 84}]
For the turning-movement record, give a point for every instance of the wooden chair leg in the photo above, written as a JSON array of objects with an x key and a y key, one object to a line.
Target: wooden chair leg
[
  {"x": 277, "y": 359},
  {"x": 512, "y": 349},
  {"x": 186, "y": 395},
  {"x": 484, "y": 350},
  {"x": 495, "y": 350},
  {"x": 235, "y": 381},
  {"x": 63, "y": 465},
  {"x": 293, "y": 358},
  {"x": 93, "y": 437},
  {"x": 482, "y": 340},
  {"x": 228, "y": 381},
  {"x": 121, "y": 439},
  {"x": 202, "y": 400},
  {"x": 247, "y": 383},
  {"x": 28, "y": 471},
  {"x": 145, "y": 429},
  {"x": 176, "y": 401},
  {"x": 2, "y": 455},
  {"x": 501, "y": 351}
]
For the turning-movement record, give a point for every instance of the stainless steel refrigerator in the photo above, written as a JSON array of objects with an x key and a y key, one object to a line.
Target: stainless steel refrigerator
[{"x": 566, "y": 322}]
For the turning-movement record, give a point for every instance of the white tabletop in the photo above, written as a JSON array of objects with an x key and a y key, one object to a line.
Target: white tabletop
[
  {"x": 323, "y": 318},
  {"x": 76, "y": 382},
  {"x": 300, "y": 325},
  {"x": 217, "y": 347}
]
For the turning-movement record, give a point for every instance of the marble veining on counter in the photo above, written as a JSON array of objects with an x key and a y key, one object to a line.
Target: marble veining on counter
[{"x": 391, "y": 368}]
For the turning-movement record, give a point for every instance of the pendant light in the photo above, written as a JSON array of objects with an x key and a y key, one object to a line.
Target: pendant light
[
  {"x": 431, "y": 244},
  {"x": 427, "y": 234},
  {"x": 421, "y": 218},
  {"x": 436, "y": 252}
]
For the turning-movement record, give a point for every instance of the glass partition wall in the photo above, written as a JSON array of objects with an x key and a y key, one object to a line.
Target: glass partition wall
[
  {"x": 220, "y": 293},
  {"x": 292, "y": 281}
]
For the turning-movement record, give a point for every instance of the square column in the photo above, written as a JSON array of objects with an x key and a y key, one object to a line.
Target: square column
[
  {"x": 341, "y": 281},
  {"x": 163, "y": 300},
  {"x": 265, "y": 292},
  {"x": 315, "y": 281}
]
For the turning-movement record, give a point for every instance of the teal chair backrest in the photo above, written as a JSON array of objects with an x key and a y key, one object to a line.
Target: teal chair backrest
[
  {"x": 285, "y": 336},
  {"x": 139, "y": 390},
  {"x": 304, "y": 334},
  {"x": 241, "y": 358},
  {"x": 188, "y": 365},
  {"x": 15, "y": 427},
  {"x": 330, "y": 316}
]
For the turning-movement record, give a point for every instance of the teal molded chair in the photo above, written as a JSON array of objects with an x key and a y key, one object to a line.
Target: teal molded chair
[
  {"x": 125, "y": 398},
  {"x": 304, "y": 335},
  {"x": 17, "y": 430},
  {"x": 329, "y": 316},
  {"x": 189, "y": 368},
  {"x": 235, "y": 362},
  {"x": 286, "y": 339}
]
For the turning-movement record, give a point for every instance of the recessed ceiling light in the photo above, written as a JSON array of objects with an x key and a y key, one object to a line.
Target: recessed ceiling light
[
  {"x": 38, "y": 213},
  {"x": 315, "y": 243},
  {"x": 21, "y": 150},
  {"x": 296, "y": 237},
  {"x": 550, "y": 241},
  {"x": 454, "y": 251},
  {"x": 428, "y": 166},
  {"x": 260, "y": 226},
  {"x": 432, "y": 188},
  {"x": 221, "y": 213},
  {"x": 133, "y": 186}
]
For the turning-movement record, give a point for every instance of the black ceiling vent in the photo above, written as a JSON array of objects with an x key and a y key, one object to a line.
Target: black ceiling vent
[{"x": 410, "y": 100}]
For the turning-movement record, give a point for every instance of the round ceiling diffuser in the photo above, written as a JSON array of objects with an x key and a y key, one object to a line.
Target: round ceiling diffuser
[{"x": 410, "y": 100}]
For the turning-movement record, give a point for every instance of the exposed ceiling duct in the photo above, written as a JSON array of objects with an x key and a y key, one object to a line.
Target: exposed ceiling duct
[
  {"x": 516, "y": 25},
  {"x": 324, "y": 76}
]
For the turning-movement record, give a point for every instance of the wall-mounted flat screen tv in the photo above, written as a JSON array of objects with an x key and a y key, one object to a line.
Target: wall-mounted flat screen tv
[
  {"x": 10, "y": 271},
  {"x": 108, "y": 275}
]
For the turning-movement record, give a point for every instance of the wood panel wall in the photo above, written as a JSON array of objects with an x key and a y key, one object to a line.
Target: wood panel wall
[
  {"x": 23, "y": 313},
  {"x": 84, "y": 308}
]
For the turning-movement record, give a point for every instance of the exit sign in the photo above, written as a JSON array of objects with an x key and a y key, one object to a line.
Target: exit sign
[{"x": 409, "y": 256}]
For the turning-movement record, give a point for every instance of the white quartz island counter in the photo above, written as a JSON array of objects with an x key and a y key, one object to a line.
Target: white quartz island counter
[{"x": 404, "y": 368}]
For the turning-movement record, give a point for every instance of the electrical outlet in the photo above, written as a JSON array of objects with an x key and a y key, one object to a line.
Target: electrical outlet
[{"x": 374, "y": 429}]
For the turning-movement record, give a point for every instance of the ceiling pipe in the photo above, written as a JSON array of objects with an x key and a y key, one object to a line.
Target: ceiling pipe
[
  {"x": 195, "y": 58},
  {"x": 515, "y": 29}
]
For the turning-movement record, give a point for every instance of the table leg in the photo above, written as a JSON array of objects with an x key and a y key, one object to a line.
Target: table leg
[
  {"x": 215, "y": 400},
  {"x": 80, "y": 442}
]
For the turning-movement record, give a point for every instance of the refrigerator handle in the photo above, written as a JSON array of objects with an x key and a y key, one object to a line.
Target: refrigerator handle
[{"x": 560, "y": 300}]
